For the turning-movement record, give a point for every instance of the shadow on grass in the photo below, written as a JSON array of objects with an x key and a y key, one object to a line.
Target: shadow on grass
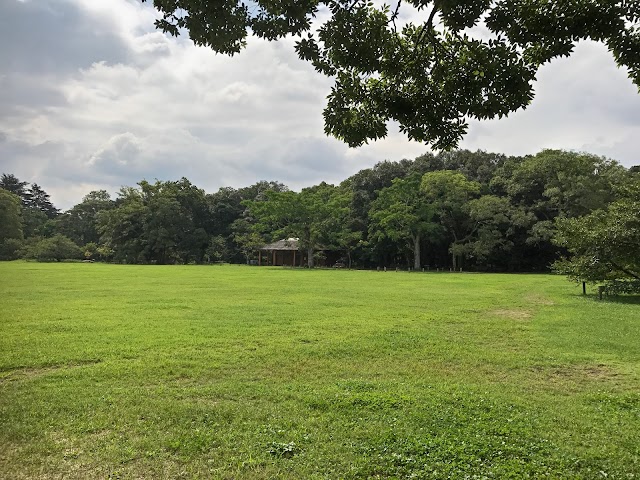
[
  {"x": 625, "y": 299},
  {"x": 622, "y": 299}
]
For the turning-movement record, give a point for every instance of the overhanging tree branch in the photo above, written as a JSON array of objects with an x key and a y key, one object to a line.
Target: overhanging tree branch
[{"x": 429, "y": 108}]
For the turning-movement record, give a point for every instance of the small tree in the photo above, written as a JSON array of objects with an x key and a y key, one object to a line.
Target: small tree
[
  {"x": 10, "y": 249},
  {"x": 605, "y": 246},
  {"x": 90, "y": 251},
  {"x": 105, "y": 252},
  {"x": 216, "y": 250},
  {"x": 248, "y": 241}
]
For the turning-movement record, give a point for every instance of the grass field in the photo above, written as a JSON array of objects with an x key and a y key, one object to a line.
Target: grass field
[{"x": 246, "y": 372}]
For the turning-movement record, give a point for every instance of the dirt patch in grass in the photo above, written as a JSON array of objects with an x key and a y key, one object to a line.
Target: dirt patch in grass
[
  {"x": 29, "y": 372},
  {"x": 538, "y": 299},
  {"x": 599, "y": 371},
  {"x": 564, "y": 375},
  {"x": 512, "y": 313}
]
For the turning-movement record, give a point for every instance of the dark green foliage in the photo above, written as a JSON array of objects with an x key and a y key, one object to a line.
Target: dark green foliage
[
  {"x": 228, "y": 218},
  {"x": 495, "y": 223},
  {"x": 619, "y": 287},
  {"x": 403, "y": 214},
  {"x": 431, "y": 76},
  {"x": 559, "y": 183},
  {"x": 160, "y": 223},
  {"x": 121, "y": 227},
  {"x": 10, "y": 183},
  {"x": 38, "y": 212},
  {"x": 10, "y": 216},
  {"x": 475, "y": 210},
  {"x": 552, "y": 184},
  {"x": 39, "y": 200},
  {"x": 56, "y": 248},
  {"x": 248, "y": 242},
  {"x": 216, "y": 250},
  {"x": 605, "y": 245},
  {"x": 80, "y": 223},
  {"x": 450, "y": 194},
  {"x": 10, "y": 248}
]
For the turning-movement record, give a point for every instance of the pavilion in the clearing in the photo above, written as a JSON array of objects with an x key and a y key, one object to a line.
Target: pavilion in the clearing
[{"x": 283, "y": 252}]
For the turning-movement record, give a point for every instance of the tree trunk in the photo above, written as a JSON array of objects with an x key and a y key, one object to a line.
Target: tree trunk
[
  {"x": 310, "y": 256},
  {"x": 453, "y": 260},
  {"x": 416, "y": 253},
  {"x": 349, "y": 255}
]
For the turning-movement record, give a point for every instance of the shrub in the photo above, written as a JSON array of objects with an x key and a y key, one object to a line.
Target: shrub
[{"x": 10, "y": 249}]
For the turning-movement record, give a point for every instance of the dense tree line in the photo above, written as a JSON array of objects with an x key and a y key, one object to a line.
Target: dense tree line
[{"x": 459, "y": 209}]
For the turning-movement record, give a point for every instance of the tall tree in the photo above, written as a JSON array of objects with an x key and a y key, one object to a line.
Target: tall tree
[
  {"x": 39, "y": 200},
  {"x": 403, "y": 213},
  {"x": 364, "y": 188},
  {"x": 163, "y": 222},
  {"x": 494, "y": 228},
  {"x": 10, "y": 216},
  {"x": 174, "y": 221},
  {"x": 194, "y": 236},
  {"x": 122, "y": 227},
  {"x": 366, "y": 184},
  {"x": 246, "y": 239},
  {"x": 450, "y": 192},
  {"x": 10, "y": 183},
  {"x": 80, "y": 222},
  {"x": 38, "y": 207},
  {"x": 560, "y": 183},
  {"x": 430, "y": 75},
  {"x": 226, "y": 207}
]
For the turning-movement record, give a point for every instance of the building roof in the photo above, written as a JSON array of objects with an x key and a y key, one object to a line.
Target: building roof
[{"x": 284, "y": 244}]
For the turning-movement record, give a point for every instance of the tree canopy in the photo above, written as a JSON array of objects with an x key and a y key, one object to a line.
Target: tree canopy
[
  {"x": 430, "y": 75},
  {"x": 11, "y": 183},
  {"x": 605, "y": 245},
  {"x": 402, "y": 213}
]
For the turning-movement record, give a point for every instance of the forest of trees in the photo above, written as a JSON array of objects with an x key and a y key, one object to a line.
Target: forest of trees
[{"x": 460, "y": 209}]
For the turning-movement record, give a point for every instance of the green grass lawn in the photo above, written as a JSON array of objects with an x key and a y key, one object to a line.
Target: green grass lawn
[{"x": 253, "y": 372}]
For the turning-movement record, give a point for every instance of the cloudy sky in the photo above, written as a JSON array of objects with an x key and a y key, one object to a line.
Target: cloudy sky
[{"x": 92, "y": 97}]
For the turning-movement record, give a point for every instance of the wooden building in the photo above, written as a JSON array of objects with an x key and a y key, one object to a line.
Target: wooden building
[
  {"x": 282, "y": 252},
  {"x": 286, "y": 252}
]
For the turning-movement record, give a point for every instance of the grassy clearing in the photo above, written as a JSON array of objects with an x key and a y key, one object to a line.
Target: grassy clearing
[{"x": 238, "y": 372}]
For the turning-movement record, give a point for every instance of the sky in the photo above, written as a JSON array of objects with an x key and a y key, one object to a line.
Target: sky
[{"x": 93, "y": 97}]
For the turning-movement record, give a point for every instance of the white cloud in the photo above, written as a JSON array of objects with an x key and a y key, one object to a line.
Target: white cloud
[
  {"x": 583, "y": 103},
  {"x": 119, "y": 152}
]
